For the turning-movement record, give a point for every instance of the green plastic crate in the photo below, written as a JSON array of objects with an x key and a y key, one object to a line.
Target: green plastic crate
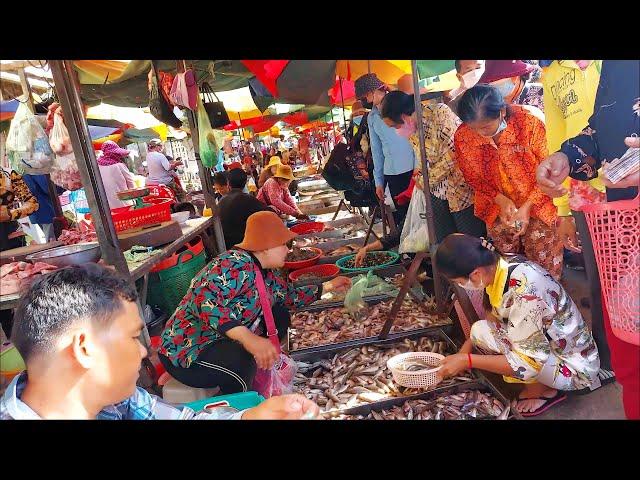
[{"x": 168, "y": 287}]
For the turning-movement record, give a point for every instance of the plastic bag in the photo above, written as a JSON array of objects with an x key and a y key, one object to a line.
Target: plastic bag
[
  {"x": 353, "y": 300},
  {"x": 59, "y": 136},
  {"x": 64, "y": 171},
  {"x": 415, "y": 235},
  {"x": 179, "y": 94},
  {"x": 278, "y": 380},
  {"x": 206, "y": 139},
  {"x": 27, "y": 144}
]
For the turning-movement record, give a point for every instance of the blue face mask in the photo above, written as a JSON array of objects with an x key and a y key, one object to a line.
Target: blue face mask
[
  {"x": 505, "y": 88},
  {"x": 356, "y": 120},
  {"x": 501, "y": 127}
]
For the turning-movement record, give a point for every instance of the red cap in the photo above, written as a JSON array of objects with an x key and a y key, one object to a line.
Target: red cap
[{"x": 500, "y": 69}]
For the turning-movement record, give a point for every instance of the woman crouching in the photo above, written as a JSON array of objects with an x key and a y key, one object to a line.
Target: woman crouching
[{"x": 537, "y": 335}]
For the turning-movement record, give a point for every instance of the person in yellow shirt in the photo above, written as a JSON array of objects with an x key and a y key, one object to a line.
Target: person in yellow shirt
[
  {"x": 570, "y": 91},
  {"x": 570, "y": 88}
]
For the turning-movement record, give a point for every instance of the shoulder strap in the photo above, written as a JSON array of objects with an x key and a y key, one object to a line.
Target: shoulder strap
[{"x": 272, "y": 331}]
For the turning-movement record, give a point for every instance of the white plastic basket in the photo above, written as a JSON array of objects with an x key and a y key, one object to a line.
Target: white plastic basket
[{"x": 419, "y": 378}]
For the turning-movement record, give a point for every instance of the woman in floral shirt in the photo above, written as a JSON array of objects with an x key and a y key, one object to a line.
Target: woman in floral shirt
[
  {"x": 216, "y": 337},
  {"x": 536, "y": 334}
]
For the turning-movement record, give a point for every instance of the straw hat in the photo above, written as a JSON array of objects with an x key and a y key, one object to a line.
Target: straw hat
[
  {"x": 274, "y": 161},
  {"x": 284, "y": 171},
  {"x": 357, "y": 109},
  {"x": 265, "y": 230}
]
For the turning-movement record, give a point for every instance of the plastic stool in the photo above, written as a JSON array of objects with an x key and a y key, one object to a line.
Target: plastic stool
[{"x": 175, "y": 392}]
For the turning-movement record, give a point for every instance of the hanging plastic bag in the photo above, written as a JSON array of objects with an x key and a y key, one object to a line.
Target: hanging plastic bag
[
  {"x": 206, "y": 139},
  {"x": 415, "y": 235},
  {"x": 64, "y": 171},
  {"x": 59, "y": 136},
  {"x": 28, "y": 146}
]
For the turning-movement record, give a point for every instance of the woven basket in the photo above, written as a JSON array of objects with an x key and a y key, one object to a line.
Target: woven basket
[{"x": 418, "y": 378}]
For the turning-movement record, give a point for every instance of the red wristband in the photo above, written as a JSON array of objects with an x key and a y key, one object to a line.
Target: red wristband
[{"x": 469, "y": 357}]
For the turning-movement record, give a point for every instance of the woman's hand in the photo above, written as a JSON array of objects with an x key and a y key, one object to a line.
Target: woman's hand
[
  {"x": 338, "y": 283},
  {"x": 521, "y": 219},
  {"x": 568, "y": 234},
  {"x": 283, "y": 407},
  {"x": 262, "y": 350},
  {"x": 362, "y": 253},
  {"x": 453, "y": 365},
  {"x": 380, "y": 193},
  {"x": 550, "y": 174},
  {"x": 302, "y": 216},
  {"x": 507, "y": 209}
]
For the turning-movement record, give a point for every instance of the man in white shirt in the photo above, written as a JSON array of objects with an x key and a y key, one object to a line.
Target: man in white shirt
[{"x": 161, "y": 169}]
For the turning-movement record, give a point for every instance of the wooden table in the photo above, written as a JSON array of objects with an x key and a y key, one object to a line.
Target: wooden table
[{"x": 193, "y": 228}]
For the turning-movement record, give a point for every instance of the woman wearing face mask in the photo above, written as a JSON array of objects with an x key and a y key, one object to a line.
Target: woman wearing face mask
[
  {"x": 511, "y": 78},
  {"x": 217, "y": 336},
  {"x": 498, "y": 148},
  {"x": 275, "y": 193},
  {"x": 536, "y": 334},
  {"x": 451, "y": 195}
]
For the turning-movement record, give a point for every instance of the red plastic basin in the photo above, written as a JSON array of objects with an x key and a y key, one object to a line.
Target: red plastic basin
[
  {"x": 308, "y": 227},
  {"x": 305, "y": 263},
  {"x": 324, "y": 272}
]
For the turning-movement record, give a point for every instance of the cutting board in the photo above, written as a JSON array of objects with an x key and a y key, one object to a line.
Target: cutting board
[
  {"x": 19, "y": 254},
  {"x": 162, "y": 234}
]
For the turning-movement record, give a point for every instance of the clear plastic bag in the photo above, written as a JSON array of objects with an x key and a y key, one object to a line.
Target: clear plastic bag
[
  {"x": 179, "y": 94},
  {"x": 65, "y": 173},
  {"x": 415, "y": 235},
  {"x": 278, "y": 380},
  {"x": 28, "y": 146},
  {"x": 59, "y": 136}
]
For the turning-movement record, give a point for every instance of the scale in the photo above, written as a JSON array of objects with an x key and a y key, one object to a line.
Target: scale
[{"x": 135, "y": 194}]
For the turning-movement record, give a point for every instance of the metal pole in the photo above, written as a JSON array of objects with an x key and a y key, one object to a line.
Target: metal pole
[
  {"x": 68, "y": 89},
  {"x": 344, "y": 119}
]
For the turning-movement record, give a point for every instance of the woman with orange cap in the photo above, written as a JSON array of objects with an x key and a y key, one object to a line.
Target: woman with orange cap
[
  {"x": 276, "y": 195},
  {"x": 217, "y": 336}
]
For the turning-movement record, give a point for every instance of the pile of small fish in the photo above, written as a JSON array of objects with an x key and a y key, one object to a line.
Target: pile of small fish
[
  {"x": 334, "y": 325},
  {"x": 415, "y": 365},
  {"x": 469, "y": 405},
  {"x": 300, "y": 254},
  {"x": 310, "y": 241},
  {"x": 344, "y": 250},
  {"x": 371, "y": 259},
  {"x": 360, "y": 375}
]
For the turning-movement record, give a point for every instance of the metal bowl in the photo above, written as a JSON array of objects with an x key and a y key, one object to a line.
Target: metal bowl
[{"x": 69, "y": 255}]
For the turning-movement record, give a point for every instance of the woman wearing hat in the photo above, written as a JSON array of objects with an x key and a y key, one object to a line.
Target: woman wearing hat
[
  {"x": 116, "y": 177},
  {"x": 276, "y": 195},
  {"x": 217, "y": 336},
  {"x": 269, "y": 170},
  {"x": 511, "y": 78}
]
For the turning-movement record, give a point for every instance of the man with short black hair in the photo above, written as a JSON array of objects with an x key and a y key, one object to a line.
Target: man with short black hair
[
  {"x": 78, "y": 330},
  {"x": 236, "y": 207}
]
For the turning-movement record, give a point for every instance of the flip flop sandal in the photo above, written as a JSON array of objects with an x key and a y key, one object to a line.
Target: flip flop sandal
[{"x": 548, "y": 403}]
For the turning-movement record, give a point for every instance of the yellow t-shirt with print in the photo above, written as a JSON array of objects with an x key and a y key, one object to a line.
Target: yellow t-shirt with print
[{"x": 570, "y": 95}]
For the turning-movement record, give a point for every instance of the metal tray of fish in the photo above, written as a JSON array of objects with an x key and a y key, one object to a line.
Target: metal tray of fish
[
  {"x": 475, "y": 400},
  {"x": 342, "y": 222},
  {"x": 370, "y": 327},
  {"x": 342, "y": 378},
  {"x": 388, "y": 273}
]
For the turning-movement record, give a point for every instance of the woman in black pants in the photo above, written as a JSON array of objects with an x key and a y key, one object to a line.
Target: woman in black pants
[{"x": 217, "y": 336}]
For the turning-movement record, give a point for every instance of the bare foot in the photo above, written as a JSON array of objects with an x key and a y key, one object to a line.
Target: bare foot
[{"x": 529, "y": 399}]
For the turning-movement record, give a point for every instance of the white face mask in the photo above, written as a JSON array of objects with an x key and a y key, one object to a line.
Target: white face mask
[
  {"x": 468, "y": 285},
  {"x": 470, "y": 79}
]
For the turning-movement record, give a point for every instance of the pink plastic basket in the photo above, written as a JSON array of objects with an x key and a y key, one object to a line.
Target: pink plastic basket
[{"x": 615, "y": 233}]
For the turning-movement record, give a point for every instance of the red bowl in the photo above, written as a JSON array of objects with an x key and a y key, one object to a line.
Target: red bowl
[
  {"x": 324, "y": 272},
  {"x": 305, "y": 263},
  {"x": 308, "y": 227}
]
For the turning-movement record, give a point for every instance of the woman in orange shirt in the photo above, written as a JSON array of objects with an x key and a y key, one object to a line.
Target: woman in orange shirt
[{"x": 499, "y": 147}]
